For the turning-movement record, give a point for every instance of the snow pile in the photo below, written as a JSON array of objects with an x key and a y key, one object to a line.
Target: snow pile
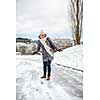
[
  {"x": 71, "y": 57},
  {"x": 23, "y": 44}
]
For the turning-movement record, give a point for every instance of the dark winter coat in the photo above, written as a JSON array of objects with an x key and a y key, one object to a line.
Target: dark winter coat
[{"x": 45, "y": 55}]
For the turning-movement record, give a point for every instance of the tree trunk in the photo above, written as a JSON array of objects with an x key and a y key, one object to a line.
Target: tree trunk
[
  {"x": 76, "y": 16},
  {"x": 77, "y": 27}
]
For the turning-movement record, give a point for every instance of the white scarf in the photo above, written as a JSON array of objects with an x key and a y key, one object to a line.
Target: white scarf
[{"x": 47, "y": 48}]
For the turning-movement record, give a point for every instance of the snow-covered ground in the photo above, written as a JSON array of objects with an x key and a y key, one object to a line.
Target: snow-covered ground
[
  {"x": 65, "y": 84},
  {"x": 71, "y": 57}
]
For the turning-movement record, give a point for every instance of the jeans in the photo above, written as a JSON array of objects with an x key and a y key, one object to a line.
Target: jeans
[{"x": 45, "y": 65}]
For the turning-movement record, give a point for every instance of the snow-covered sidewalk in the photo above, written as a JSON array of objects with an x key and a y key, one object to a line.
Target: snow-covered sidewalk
[
  {"x": 29, "y": 84},
  {"x": 64, "y": 85}
]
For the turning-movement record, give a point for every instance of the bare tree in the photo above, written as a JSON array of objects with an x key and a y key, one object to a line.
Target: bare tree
[{"x": 76, "y": 19}]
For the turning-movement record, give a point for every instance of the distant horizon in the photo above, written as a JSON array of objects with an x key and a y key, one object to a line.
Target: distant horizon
[{"x": 33, "y": 36}]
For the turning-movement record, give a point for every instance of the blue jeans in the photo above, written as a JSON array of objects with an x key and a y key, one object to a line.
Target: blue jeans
[{"x": 45, "y": 65}]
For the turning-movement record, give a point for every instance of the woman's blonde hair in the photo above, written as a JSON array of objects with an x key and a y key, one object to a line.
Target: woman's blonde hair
[{"x": 42, "y": 33}]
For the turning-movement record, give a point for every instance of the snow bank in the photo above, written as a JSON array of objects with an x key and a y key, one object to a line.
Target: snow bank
[
  {"x": 71, "y": 57},
  {"x": 24, "y": 44}
]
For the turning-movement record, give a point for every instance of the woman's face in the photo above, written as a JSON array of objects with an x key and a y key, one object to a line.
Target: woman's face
[{"x": 42, "y": 35}]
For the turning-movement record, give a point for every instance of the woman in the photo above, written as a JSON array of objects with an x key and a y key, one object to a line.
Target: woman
[{"x": 48, "y": 48}]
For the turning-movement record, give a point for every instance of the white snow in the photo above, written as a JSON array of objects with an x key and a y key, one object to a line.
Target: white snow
[
  {"x": 18, "y": 53},
  {"x": 64, "y": 84},
  {"x": 71, "y": 57},
  {"x": 24, "y": 44},
  {"x": 29, "y": 84}
]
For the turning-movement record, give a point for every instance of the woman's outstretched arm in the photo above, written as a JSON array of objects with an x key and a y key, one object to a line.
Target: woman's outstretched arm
[
  {"x": 38, "y": 49},
  {"x": 53, "y": 45}
]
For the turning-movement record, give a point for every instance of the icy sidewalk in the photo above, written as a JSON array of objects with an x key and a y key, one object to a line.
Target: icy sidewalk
[{"x": 29, "y": 86}]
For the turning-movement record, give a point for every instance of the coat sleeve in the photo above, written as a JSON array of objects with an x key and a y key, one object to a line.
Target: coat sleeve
[
  {"x": 38, "y": 48},
  {"x": 52, "y": 44}
]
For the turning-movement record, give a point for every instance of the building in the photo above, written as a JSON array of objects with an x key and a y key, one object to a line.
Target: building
[{"x": 62, "y": 42}]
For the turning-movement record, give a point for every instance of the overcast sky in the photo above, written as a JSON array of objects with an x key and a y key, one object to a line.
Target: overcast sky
[{"x": 48, "y": 15}]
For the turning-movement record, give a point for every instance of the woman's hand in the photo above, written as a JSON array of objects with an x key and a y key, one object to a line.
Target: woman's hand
[
  {"x": 59, "y": 50},
  {"x": 34, "y": 53}
]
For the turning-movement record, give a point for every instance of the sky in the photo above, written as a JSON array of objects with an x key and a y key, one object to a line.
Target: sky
[{"x": 48, "y": 15}]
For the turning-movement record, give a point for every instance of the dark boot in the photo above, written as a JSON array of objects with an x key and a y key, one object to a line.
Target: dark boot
[
  {"x": 48, "y": 78},
  {"x": 44, "y": 76}
]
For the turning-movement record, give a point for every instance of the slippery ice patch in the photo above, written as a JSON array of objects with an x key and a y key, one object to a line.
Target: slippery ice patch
[{"x": 29, "y": 86}]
